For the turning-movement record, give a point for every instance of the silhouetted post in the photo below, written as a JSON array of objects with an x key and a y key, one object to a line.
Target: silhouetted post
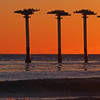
[
  {"x": 28, "y": 59},
  {"x": 85, "y": 13},
  {"x": 27, "y": 13},
  {"x": 85, "y": 38},
  {"x": 59, "y": 13},
  {"x": 59, "y": 39}
]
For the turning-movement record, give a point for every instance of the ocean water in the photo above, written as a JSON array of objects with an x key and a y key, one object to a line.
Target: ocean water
[
  {"x": 49, "y": 57},
  {"x": 47, "y": 62},
  {"x": 71, "y": 63}
]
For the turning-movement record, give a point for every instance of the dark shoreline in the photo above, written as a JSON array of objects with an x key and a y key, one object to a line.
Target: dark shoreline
[{"x": 51, "y": 87}]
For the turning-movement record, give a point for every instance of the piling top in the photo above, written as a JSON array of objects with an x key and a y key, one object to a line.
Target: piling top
[
  {"x": 98, "y": 16},
  {"x": 85, "y": 12},
  {"x": 59, "y": 13},
  {"x": 29, "y": 11}
]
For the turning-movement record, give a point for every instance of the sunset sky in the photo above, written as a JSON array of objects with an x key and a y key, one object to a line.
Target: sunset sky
[{"x": 43, "y": 27}]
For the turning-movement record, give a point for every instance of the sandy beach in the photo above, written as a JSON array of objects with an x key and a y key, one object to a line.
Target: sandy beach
[{"x": 50, "y": 85}]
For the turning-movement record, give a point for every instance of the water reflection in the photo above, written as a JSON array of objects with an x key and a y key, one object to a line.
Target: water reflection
[
  {"x": 85, "y": 66},
  {"x": 27, "y": 66},
  {"x": 49, "y": 66},
  {"x": 59, "y": 66}
]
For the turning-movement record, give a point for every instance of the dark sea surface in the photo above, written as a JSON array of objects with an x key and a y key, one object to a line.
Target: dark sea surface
[
  {"x": 48, "y": 62},
  {"x": 49, "y": 57}
]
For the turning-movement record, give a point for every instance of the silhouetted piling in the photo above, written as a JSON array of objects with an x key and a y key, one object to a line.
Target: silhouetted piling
[
  {"x": 85, "y": 38},
  {"x": 59, "y": 13},
  {"x": 27, "y": 13},
  {"x": 59, "y": 40},
  {"x": 85, "y": 13},
  {"x": 28, "y": 58}
]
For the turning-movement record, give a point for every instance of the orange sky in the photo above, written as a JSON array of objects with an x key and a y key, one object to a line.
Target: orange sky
[{"x": 43, "y": 27}]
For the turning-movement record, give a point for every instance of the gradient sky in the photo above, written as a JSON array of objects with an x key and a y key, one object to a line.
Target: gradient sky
[{"x": 43, "y": 27}]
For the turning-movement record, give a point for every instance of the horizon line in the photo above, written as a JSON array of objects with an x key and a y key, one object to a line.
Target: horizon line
[{"x": 46, "y": 54}]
